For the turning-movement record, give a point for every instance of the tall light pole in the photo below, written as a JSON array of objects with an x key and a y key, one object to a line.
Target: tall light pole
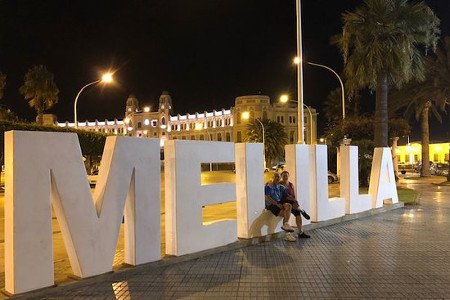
[
  {"x": 246, "y": 116},
  {"x": 301, "y": 125},
  {"x": 106, "y": 78},
  {"x": 298, "y": 60},
  {"x": 285, "y": 99}
]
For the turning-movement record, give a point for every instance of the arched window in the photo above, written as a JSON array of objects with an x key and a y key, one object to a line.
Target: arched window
[{"x": 163, "y": 121}]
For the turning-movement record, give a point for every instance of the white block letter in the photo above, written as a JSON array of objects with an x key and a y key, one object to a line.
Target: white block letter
[
  {"x": 300, "y": 173},
  {"x": 382, "y": 180},
  {"x": 185, "y": 196},
  {"x": 349, "y": 182},
  {"x": 45, "y": 169},
  {"x": 249, "y": 187},
  {"x": 323, "y": 209}
]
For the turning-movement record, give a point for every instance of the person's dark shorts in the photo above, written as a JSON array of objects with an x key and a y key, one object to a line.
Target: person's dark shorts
[{"x": 274, "y": 209}]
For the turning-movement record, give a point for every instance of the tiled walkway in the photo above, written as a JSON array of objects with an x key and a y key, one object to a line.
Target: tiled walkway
[{"x": 403, "y": 253}]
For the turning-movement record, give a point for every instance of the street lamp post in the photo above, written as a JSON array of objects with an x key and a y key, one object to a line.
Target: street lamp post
[
  {"x": 246, "y": 115},
  {"x": 106, "y": 78},
  {"x": 285, "y": 98},
  {"x": 340, "y": 81},
  {"x": 300, "y": 123},
  {"x": 298, "y": 60}
]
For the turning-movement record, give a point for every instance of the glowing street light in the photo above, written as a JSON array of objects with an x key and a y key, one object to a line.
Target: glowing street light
[
  {"x": 298, "y": 60},
  {"x": 285, "y": 99},
  {"x": 106, "y": 78}
]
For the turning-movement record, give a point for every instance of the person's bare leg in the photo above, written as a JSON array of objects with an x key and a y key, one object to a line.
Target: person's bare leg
[
  {"x": 298, "y": 220},
  {"x": 286, "y": 212}
]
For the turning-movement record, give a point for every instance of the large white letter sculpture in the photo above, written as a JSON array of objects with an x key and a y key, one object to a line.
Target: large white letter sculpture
[
  {"x": 249, "y": 188},
  {"x": 185, "y": 196},
  {"x": 300, "y": 173},
  {"x": 46, "y": 169},
  {"x": 382, "y": 183},
  {"x": 349, "y": 182},
  {"x": 322, "y": 208}
]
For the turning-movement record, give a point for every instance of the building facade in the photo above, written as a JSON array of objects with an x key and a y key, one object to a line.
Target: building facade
[{"x": 224, "y": 125}]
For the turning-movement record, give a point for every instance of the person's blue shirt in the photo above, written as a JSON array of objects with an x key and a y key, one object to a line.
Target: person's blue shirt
[{"x": 275, "y": 192}]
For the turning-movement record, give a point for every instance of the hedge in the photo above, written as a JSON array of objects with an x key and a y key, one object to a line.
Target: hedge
[{"x": 92, "y": 143}]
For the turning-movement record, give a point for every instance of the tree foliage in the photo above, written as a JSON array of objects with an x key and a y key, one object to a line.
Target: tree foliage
[
  {"x": 381, "y": 43},
  {"x": 40, "y": 90},
  {"x": 92, "y": 143},
  {"x": 274, "y": 135}
]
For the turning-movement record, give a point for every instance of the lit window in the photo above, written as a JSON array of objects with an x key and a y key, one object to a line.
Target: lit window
[{"x": 146, "y": 122}]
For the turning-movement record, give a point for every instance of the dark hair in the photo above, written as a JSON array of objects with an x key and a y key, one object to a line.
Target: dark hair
[{"x": 284, "y": 172}]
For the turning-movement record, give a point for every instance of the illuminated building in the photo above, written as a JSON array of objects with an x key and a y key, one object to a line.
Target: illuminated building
[{"x": 222, "y": 125}]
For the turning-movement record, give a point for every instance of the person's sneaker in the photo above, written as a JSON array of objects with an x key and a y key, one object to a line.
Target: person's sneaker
[
  {"x": 289, "y": 237},
  {"x": 287, "y": 227},
  {"x": 303, "y": 235}
]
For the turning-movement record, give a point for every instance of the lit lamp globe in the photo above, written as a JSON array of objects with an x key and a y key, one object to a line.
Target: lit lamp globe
[
  {"x": 107, "y": 78},
  {"x": 245, "y": 115},
  {"x": 284, "y": 99}
]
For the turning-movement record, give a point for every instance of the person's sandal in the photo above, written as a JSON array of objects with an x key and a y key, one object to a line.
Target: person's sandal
[
  {"x": 303, "y": 235},
  {"x": 289, "y": 237},
  {"x": 287, "y": 227}
]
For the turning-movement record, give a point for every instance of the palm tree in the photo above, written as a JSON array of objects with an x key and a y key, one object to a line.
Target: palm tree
[
  {"x": 381, "y": 44},
  {"x": 431, "y": 95},
  {"x": 439, "y": 77},
  {"x": 2, "y": 84},
  {"x": 40, "y": 90},
  {"x": 417, "y": 99},
  {"x": 275, "y": 138}
]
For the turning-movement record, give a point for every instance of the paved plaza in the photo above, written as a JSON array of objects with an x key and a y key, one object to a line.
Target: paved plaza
[{"x": 404, "y": 253}]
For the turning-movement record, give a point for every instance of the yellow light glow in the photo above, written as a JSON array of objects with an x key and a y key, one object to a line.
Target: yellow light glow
[
  {"x": 297, "y": 60},
  {"x": 245, "y": 115},
  {"x": 397, "y": 151},
  {"x": 126, "y": 120},
  {"x": 284, "y": 98},
  {"x": 198, "y": 126},
  {"x": 437, "y": 148},
  {"x": 107, "y": 78},
  {"x": 145, "y": 132},
  {"x": 147, "y": 109}
]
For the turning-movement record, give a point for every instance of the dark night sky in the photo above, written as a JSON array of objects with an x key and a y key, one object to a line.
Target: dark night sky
[{"x": 204, "y": 52}]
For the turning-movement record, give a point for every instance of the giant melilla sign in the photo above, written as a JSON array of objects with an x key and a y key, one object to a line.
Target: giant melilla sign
[{"x": 45, "y": 170}]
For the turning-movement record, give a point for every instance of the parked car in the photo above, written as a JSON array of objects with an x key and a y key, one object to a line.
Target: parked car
[
  {"x": 332, "y": 177},
  {"x": 439, "y": 169}
]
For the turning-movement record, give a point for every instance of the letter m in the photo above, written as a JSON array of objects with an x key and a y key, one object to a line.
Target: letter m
[{"x": 45, "y": 169}]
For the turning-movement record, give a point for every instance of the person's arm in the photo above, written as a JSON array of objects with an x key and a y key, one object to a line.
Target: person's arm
[{"x": 271, "y": 201}]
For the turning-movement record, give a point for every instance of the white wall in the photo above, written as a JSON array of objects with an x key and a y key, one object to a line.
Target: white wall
[
  {"x": 185, "y": 196},
  {"x": 46, "y": 169}
]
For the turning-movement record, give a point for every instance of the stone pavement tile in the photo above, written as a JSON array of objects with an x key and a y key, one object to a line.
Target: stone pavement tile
[{"x": 400, "y": 254}]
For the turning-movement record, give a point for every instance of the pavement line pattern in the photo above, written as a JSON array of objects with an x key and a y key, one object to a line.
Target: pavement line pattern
[{"x": 403, "y": 253}]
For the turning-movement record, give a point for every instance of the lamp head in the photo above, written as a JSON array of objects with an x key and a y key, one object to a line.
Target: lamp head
[
  {"x": 245, "y": 115},
  {"x": 284, "y": 99},
  {"x": 107, "y": 78}
]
